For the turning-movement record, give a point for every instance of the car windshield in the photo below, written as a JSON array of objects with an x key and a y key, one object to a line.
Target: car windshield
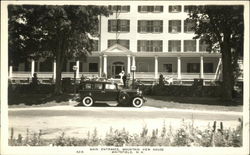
[{"x": 110, "y": 86}]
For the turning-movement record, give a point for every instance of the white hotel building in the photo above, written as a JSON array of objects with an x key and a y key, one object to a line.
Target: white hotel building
[{"x": 156, "y": 39}]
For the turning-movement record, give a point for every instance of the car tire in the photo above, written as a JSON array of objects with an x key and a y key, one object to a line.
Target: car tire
[
  {"x": 137, "y": 102},
  {"x": 87, "y": 101}
]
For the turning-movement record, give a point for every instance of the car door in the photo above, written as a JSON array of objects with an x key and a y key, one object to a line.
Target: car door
[
  {"x": 98, "y": 92},
  {"x": 111, "y": 92}
]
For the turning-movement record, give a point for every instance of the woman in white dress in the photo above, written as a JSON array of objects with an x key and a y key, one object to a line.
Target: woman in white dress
[{"x": 121, "y": 76}]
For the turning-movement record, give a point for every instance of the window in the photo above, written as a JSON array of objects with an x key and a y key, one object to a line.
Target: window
[
  {"x": 174, "y": 26},
  {"x": 167, "y": 68},
  {"x": 143, "y": 67},
  {"x": 118, "y": 25},
  {"x": 150, "y": 26},
  {"x": 88, "y": 86},
  {"x": 95, "y": 45},
  {"x": 124, "y": 43},
  {"x": 98, "y": 86},
  {"x": 110, "y": 86},
  {"x": 203, "y": 46},
  {"x": 146, "y": 8},
  {"x": 93, "y": 67},
  {"x": 149, "y": 45},
  {"x": 193, "y": 68},
  {"x": 208, "y": 67},
  {"x": 189, "y": 8},
  {"x": 119, "y": 8},
  {"x": 189, "y": 26},
  {"x": 189, "y": 45},
  {"x": 174, "y": 46},
  {"x": 174, "y": 8}
]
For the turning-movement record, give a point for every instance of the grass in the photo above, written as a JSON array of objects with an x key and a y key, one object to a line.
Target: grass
[
  {"x": 195, "y": 103},
  {"x": 186, "y": 135}
]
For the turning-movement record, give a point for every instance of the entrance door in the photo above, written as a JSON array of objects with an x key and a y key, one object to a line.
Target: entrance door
[{"x": 117, "y": 67}]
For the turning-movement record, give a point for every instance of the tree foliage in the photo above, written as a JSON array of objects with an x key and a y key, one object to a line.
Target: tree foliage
[
  {"x": 223, "y": 28},
  {"x": 58, "y": 32}
]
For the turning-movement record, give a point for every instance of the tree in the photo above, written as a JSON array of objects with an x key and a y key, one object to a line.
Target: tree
[
  {"x": 223, "y": 28},
  {"x": 59, "y": 32}
]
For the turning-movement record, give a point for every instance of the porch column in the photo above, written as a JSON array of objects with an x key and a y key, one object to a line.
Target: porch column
[
  {"x": 156, "y": 67},
  {"x": 133, "y": 63},
  {"x": 10, "y": 71},
  {"x": 32, "y": 67},
  {"x": 54, "y": 70},
  {"x": 201, "y": 68},
  {"x": 129, "y": 64},
  {"x": 100, "y": 66},
  {"x": 197, "y": 45},
  {"x": 179, "y": 68},
  {"x": 105, "y": 65},
  {"x": 78, "y": 68}
]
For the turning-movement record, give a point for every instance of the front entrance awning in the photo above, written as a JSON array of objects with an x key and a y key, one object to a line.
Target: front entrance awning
[{"x": 116, "y": 50}]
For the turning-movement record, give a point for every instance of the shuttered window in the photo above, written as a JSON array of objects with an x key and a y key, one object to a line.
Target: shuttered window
[
  {"x": 174, "y": 8},
  {"x": 174, "y": 26},
  {"x": 150, "y": 26},
  {"x": 118, "y": 25},
  {"x": 174, "y": 46},
  {"x": 189, "y": 45},
  {"x": 151, "y": 8},
  {"x": 119, "y": 8},
  {"x": 149, "y": 45}
]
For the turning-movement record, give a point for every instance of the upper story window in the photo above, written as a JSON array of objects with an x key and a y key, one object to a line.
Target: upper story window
[
  {"x": 174, "y": 46},
  {"x": 124, "y": 43},
  {"x": 119, "y": 8},
  {"x": 174, "y": 26},
  {"x": 118, "y": 25},
  {"x": 147, "y": 26},
  {"x": 189, "y": 45},
  {"x": 189, "y": 8},
  {"x": 147, "y": 8},
  {"x": 149, "y": 45},
  {"x": 204, "y": 46},
  {"x": 174, "y": 8},
  {"x": 189, "y": 26}
]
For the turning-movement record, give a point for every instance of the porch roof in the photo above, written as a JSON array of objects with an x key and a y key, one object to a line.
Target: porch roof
[{"x": 116, "y": 50}]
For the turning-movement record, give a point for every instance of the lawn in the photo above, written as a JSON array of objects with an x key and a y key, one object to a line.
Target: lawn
[{"x": 195, "y": 103}]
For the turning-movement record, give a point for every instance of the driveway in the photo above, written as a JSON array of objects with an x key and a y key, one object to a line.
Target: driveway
[{"x": 77, "y": 121}]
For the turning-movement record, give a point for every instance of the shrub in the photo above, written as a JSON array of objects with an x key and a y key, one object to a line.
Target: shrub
[{"x": 186, "y": 135}]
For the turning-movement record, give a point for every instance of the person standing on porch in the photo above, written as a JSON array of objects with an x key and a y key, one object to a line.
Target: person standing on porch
[
  {"x": 121, "y": 76},
  {"x": 124, "y": 79}
]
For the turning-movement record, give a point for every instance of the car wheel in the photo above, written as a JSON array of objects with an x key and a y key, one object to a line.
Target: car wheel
[
  {"x": 87, "y": 101},
  {"x": 123, "y": 99},
  {"x": 137, "y": 102}
]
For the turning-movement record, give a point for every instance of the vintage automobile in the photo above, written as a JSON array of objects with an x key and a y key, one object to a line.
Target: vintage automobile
[{"x": 92, "y": 91}]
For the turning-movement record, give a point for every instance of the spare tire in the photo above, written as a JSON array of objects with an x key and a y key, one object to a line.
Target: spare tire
[{"x": 123, "y": 99}]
